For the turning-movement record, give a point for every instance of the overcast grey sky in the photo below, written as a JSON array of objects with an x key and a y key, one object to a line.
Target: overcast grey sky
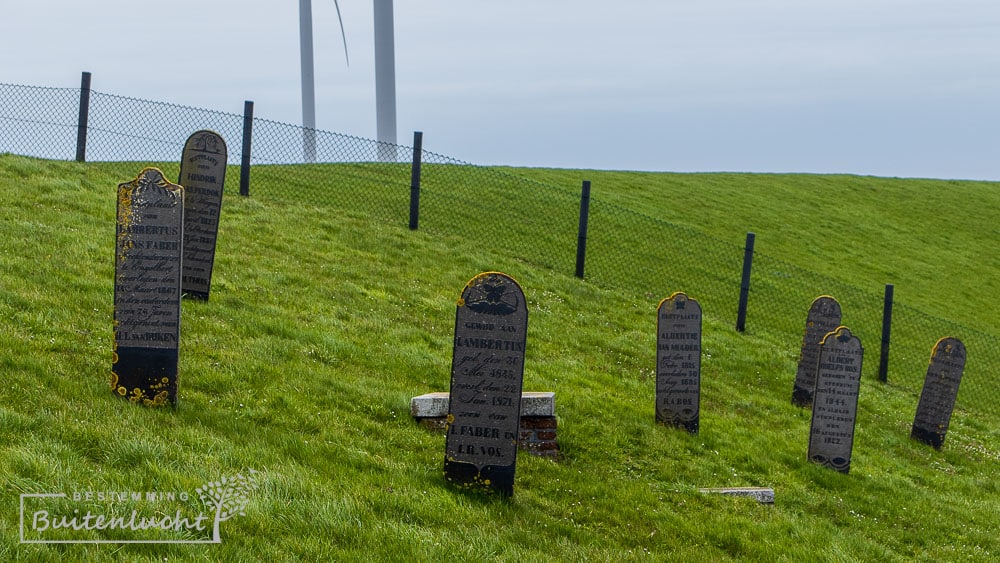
[{"x": 886, "y": 87}]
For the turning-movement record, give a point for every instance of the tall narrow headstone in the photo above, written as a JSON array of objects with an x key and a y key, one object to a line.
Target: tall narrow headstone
[
  {"x": 147, "y": 312},
  {"x": 678, "y": 362},
  {"x": 835, "y": 403},
  {"x": 203, "y": 175},
  {"x": 937, "y": 399},
  {"x": 824, "y": 317},
  {"x": 487, "y": 370}
]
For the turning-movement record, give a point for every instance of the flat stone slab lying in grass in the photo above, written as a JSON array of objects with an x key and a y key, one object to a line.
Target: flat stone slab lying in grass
[{"x": 763, "y": 495}]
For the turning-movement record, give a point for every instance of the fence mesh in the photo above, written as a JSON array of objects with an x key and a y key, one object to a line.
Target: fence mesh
[
  {"x": 40, "y": 122},
  {"x": 362, "y": 174}
]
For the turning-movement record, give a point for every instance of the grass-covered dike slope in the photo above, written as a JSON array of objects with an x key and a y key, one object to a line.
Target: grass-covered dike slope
[{"x": 323, "y": 324}]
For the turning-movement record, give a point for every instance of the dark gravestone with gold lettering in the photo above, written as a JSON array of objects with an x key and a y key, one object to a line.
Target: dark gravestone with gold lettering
[
  {"x": 203, "y": 174},
  {"x": 487, "y": 370},
  {"x": 824, "y": 317},
  {"x": 678, "y": 362},
  {"x": 937, "y": 400},
  {"x": 835, "y": 402},
  {"x": 147, "y": 310}
]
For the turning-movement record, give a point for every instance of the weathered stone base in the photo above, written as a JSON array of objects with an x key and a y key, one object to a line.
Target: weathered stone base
[
  {"x": 760, "y": 494},
  {"x": 538, "y": 419}
]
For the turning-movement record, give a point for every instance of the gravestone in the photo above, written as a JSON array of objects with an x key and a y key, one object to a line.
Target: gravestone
[
  {"x": 678, "y": 362},
  {"x": 835, "y": 402},
  {"x": 203, "y": 175},
  {"x": 487, "y": 370},
  {"x": 937, "y": 399},
  {"x": 823, "y": 317},
  {"x": 147, "y": 306}
]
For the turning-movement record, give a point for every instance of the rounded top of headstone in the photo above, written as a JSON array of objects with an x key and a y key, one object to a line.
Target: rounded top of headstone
[
  {"x": 841, "y": 334},
  {"x": 150, "y": 177},
  {"x": 149, "y": 185},
  {"x": 479, "y": 278},
  {"x": 676, "y": 298},
  {"x": 206, "y": 141},
  {"x": 826, "y": 304},
  {"x": 949, "y": 346},
  {"x": 493, "y": 293}
]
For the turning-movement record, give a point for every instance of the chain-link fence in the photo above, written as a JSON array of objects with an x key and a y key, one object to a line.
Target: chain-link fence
[{"x": 367, "y": 176}]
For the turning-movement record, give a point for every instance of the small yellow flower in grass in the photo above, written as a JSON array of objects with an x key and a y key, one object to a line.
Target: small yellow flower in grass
[
  {"x": 461, "y": 302},
  {"x": 450, "y": 418},
  {"x": 114, "y": 380},
  {"x": 122, "y": 390}
]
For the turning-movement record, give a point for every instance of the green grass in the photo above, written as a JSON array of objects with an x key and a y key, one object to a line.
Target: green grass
[
  {"x": 323, "y": 323},
  {"x": 933, "y": 239}
]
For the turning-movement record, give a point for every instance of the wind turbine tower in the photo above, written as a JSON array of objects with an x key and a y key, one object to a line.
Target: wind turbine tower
[
  {"x": 385, "y": 79},
  {"x": 385, "y": 82},
  {"x": 308, "y": 84}
]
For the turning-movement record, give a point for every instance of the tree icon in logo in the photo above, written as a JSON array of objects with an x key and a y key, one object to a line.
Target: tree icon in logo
[{"x": 228, "y": 497}]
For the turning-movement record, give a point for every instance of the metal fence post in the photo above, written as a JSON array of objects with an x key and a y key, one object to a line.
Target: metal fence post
[
  {"x": 247, "y": 138},
  {"x": 84, "y": 117},
  {"x": 418, "y": 142},
  {"x": 883, "y": 363},
  {"x": 741, "y": 314},
  {"x": 581, "y": 241}
]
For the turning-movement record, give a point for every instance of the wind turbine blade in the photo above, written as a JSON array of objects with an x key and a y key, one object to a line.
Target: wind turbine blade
[{"x": 342, "y": 34}]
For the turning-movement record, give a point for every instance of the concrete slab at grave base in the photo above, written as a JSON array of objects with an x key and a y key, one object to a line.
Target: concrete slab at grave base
[{"x": 538, "y": 419}]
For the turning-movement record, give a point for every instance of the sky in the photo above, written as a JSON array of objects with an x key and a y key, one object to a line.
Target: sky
[{"x": 904, "y": 88}]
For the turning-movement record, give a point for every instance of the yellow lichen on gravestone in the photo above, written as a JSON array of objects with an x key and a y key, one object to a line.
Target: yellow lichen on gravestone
[{"x": 126, "y": 217}]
